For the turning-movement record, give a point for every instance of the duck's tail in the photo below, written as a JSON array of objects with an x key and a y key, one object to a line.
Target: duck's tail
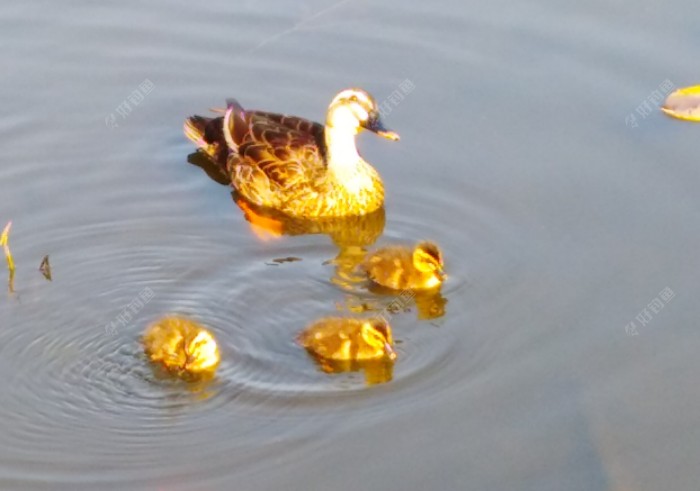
[
  {"x": 207, "y": 135},
  {"x": 195, "y": 128}
]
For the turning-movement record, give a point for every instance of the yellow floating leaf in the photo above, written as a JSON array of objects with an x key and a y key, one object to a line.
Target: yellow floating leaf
[
  {"x": 5, "y": 234},
  {"x": 8, "y": 255},
  {"x": 684, "y": 104},
  {"x": 3, "y": 242}
]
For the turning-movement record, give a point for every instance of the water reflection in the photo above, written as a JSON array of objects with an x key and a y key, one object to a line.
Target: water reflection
[
  {"x": 345, "y": 232},
  {"x": 200, "y": 385},
  {"x": 337, "y": 352},
  {"x": 428, "y": 305},
  {"x": 375, "y": 371},
  {"x": 215, "y": 170},
  {"x": 352, "y": 236}
]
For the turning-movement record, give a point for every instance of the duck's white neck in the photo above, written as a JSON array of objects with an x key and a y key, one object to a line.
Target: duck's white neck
[
  {"x": 341, "y": 147},
  {"x": 341, "y": 127}
]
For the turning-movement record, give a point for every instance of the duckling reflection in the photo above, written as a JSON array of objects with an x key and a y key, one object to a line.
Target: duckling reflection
[
  {"x": 429, "y": 304},
  {"x": 340, "y": 344},
  {"x": 181, "y": 347}
]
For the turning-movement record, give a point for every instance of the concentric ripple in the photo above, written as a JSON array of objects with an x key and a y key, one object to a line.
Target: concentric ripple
[
  {"x": 82, "y": 383},
  {"x": 123, "y": 215}
]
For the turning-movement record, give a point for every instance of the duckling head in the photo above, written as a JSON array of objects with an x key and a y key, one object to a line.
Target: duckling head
[
  {"x": 202, "y": 353},
  {"x": 427, "y": 258},
  {"x": 355, "y": 109},
  {"x": 377, "y": 334}
]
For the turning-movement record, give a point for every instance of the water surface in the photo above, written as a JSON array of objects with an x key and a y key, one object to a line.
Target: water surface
[{"x": 560, "y": 222}]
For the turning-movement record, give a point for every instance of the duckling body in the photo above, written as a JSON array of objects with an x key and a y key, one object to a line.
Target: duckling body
[
  {"x": 403, "y": 268},
  {"x": 181, "y": 346},
  {"x": 293, "y": 165},
  {"x": 349, "y": 340}
]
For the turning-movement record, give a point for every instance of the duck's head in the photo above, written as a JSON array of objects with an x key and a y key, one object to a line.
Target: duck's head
[
  {"x": 353, "y": 110},
  {"x": 427, "y": 258},
  {"x": 202, "y": 353},
  {"x": 377, "y": 334}
]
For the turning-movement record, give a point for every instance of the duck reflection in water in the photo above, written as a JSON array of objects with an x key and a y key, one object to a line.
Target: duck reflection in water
[{"x": 340, "y": 344}]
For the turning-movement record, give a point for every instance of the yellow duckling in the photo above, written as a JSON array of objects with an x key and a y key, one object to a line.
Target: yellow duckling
[
  {"x": 344, "y": 339},
  {"x": 181, "y": 346},
  {"x": 402, "y": 268},
  {"x": 297, "y": 166}
]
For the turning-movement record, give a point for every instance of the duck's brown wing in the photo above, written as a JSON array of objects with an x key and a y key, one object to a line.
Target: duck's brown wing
[
  {"x": 229, "y": 131},
  {"x": 270, "y": 157},
  {"x": 275, "y": 160},
  {"x": 242, "y": 125},
  {"x": 297, "y": 124}
]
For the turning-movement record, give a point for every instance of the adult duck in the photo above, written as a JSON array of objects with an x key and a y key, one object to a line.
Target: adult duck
[{"x": 296, "y": 166}]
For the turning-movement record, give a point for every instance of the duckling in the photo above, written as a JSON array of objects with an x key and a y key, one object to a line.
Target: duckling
[
  {"x": 296, "y": 166},
  {"x": 181, "y": 346},
  {"x": 401, "y": 268},
  {"x": 342, "y": 339}
]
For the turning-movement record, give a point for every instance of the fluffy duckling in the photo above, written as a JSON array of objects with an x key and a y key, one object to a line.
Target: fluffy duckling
[
  {"x": 181, "y": 346},
  {"x": 298, "y": 167},
  {"x": 402, "y": 268},
  {"x": 342, "y": 339}
]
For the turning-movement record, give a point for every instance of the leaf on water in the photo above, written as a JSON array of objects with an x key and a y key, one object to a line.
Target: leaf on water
[
  {"x": 684, "y": 104},
  {"x": 3, "y": 242},
  {"x": 290, "y": 259},
  {"x": 5, "y": 233},
  {"x": 8, "y": 255},
  {"x": 45, "y": 267}
]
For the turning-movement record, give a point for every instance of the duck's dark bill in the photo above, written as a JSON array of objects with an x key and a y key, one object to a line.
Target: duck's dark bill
[
  {"x": 390, "y": 135},
  {"x": 374, "y": 123}
]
